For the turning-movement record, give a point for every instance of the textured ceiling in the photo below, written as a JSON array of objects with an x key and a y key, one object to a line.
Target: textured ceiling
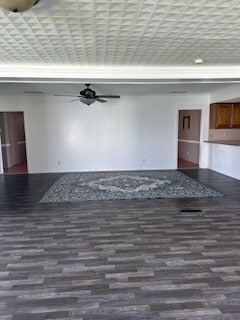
[{"x": 123, "y": 32}]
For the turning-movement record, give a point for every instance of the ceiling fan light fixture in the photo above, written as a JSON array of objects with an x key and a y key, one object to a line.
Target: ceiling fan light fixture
[
  {"x": 17, "y": 5},
  {"x": 87, "y": 101}
]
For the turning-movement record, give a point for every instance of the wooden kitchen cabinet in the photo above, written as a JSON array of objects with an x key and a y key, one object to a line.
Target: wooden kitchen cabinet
[
  {"x": 224, "y": 115},
  {"x": 235, "y": 119}
]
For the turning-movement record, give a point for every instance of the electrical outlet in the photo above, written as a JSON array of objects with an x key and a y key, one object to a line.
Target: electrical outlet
[
  {"x": 59, "y": 162},
  {"x": 144, "y": 160},
  {"x": 187, "y": 153}
]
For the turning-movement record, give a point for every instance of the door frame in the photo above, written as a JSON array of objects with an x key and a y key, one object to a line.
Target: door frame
[
  {"x": 1, "y": 156},
  {"x": 186, "y": 107},
  {"x": 3, "y": 109}
]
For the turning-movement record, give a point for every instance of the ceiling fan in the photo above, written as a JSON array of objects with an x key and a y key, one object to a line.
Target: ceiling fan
[{"x": 89, "y": 96}]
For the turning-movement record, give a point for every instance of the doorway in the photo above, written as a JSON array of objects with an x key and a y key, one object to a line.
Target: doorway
[
  {"x": 188, "y": 138},
  {"x": 13, "y": 145}
]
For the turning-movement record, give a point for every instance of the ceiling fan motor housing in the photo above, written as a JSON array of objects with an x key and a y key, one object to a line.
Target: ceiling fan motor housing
[{"x": 88, "y": 93}]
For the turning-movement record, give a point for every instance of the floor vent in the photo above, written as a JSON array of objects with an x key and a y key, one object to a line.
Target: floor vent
[{"x": 191, "y": 210}]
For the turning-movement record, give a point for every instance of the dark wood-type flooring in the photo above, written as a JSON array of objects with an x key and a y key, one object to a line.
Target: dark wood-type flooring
[
  {"x": 124, "y": 260},
  {"x": 184, "y": 164},
  {"x": 18, "y": 168}
]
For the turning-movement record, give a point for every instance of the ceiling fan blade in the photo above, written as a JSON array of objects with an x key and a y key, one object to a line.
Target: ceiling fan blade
[
  {"x": 100, "y": 100},
  {"x": 109, "y": 96},
  {"x": 74, "y": 100},
  {"x": 66, "y": 95}
]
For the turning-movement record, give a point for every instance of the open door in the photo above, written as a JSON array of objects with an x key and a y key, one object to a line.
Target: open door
[
  {"x": 189, "y": 139},
  {"x": 13, "y": 144}
]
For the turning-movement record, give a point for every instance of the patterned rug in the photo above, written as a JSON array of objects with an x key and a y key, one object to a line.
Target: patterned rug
[{"x": 74, "y": 187}]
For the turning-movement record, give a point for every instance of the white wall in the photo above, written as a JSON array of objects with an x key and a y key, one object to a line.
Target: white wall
[
  {"x": 230, "y": 92},
  {"x": 225, "y": 159},
  {"x": 132, "y": 133}
]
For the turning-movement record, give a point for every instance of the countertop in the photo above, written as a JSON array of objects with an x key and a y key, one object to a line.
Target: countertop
[{"x": 227, "y": 142}]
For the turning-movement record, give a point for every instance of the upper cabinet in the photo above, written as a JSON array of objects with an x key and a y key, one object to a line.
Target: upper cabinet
[
  {"x": 235, "y": 119},
  {"x": 224, "y": 115}
]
